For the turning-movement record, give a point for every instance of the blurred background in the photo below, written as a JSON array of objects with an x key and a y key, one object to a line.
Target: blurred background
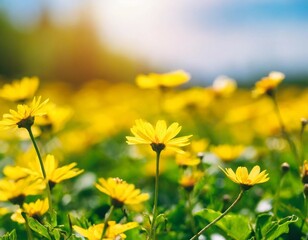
[{"x": 77, "y": 40}]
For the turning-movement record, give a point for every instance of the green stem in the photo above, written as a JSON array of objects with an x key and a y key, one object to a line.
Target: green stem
[
  {"x": 42, "y": 168},
  {"x": 29, "y": 233},
  {"x": 305, "y": 213},
  {"x": 302, "y": 142},
  {"x": 277, "y": 195},
  {"x": 190, "y": 209},
  {"x": 283, "y": 129},
  {"x": 220, "y": 216},
  {"x": 152, "y": 234},
  {"x": 107, "y": 217}
]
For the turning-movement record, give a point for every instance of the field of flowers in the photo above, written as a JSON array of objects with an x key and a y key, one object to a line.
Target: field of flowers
[{"x": 158, "y": 159}]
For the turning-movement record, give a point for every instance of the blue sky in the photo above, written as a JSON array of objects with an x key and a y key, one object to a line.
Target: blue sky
[{"x": 207, "y": 38}]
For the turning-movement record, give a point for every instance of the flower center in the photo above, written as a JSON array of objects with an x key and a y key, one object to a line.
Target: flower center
[
  {"x": 158, "y": 147},
  {"x": 26, "y": 122}
]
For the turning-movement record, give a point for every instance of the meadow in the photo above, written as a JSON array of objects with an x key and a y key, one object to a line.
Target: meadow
[{"x": 157, "y": 159}]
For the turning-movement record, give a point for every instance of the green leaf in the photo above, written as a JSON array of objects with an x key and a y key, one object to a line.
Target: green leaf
[
  {"x": 9, "y": 236},
  {"x": 56, "y": 233},
  {"x": 38, "y": 227},
  {"x": 235, "y": 226},
  {"x": 269, "y": 229}
]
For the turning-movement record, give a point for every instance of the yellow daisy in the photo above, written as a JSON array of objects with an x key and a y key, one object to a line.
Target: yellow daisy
[
  {"x": 20, "y": 90},
  {"x": 54, "y": 119},
  {"x": 189, "y": 180},
  {"x": 245, "y": 179},
  {"x": 16, "y": 191},
  {"x": 25, "y": 114},
  {"x": 227, "y": 152},
  {"x": 54, "y": 174},
  {"x": 154, "y": 80},
  {"x": 187, "y": 159},
  {"x": 160, "y": 137},
  {"x": 267, "y": 84},
  {"x": 114, "y": 230},
  {"x": 120, "y": 192},
  {"x": 33, "y": 209},
  {"x": 224, "y": 86}
]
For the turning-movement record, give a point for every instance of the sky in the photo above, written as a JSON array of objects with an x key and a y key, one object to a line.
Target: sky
[{"x": 209, "y": 38}]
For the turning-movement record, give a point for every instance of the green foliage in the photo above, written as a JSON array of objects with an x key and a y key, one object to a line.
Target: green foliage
[
  {"x": 9, "y": 236},
  {"x": 269, "y": 229},
  {"x": 39, "y": 228},
  {"x": 233, "y": 225}
]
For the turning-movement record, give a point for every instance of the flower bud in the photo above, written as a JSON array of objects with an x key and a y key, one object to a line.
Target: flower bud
[{"x": 285, "y": 167}]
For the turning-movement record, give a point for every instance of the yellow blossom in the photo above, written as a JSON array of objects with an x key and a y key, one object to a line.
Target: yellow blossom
[
  {"x": 189, "y": 180},
  {"x": 54, "y": 173},
  {"x": 55, "y": 118},
  {"x": 33, "y": 209},
  {"x": 16, "y": 191},
  {"x": 155, "y": 80},
  {"x": 160, "y": 137},
  {"x": 187, "y": 159},
  {"x": 245, "y": 179},
  {"x": 120, "y": 192},
  {"x": 25, "y": 114},
  {"x": 227, "y": 152},
  {"x": 114, "y": 231},
  {"x": 268, "y": 84},
  {"x": 20, "y": 90},
  {"x": 224, "y": 86},
  {"x": 199, "y": 145}
]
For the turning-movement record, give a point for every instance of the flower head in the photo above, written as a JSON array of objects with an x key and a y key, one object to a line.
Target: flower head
[
  {"x": 33, "y": 209},
  {"x": 20, "y": 90},
  {"x": 54, "y": 173},
  {"x": 114, "y": 230},
  {"x": 227, "y": 152},
  {"x": 187, "y": 159},
  {"x": 189, "y": 180},
  {"x": 224, "y": 86},
  {"x": 267, "y": 84},
  {"x": 16, "y": 191},
  {"x": 55, "y": 118},
  {"x": 161, "y": 137},
  {"x": 246, "y": 180},
  {"x": 25, "y": 114},
  {"x": 154, "y": 80},
  {"x": 121, "y": 192}
]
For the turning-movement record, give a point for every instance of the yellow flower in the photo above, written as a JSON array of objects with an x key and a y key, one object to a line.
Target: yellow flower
[
  {"x": 226, "y": 152},
  {"x": 121, "y": 192},
  {"x": 20, "y": 91},
  {"x": 171, "y": 79},
  {"x": 24, "y": 116},
  {"x": 187, "y": 159},
  {"x": 54, "y": 174},
  {"x": 160, "y": 137},
  {"x": 189, "y": 180},
  {"x": 114, "y": 230},
  {"x": 33, "y": 209},
  {"x": 304, "y": 172},
  {"x": 246, "y": 180},
  {"x": 224, "y": 86},
  {"x": 16, "y": 191},
  {"x": 199, "y": 146},
  {"x": 55, "y": 118},
  {"x": 267, "y": 84}
]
